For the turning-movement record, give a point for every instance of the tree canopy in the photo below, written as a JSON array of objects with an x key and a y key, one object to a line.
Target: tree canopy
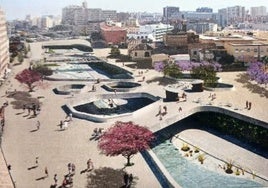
[
  {"x": 43, "y": 70},
  {"x": 126, "y": 139},
  {"x": 115, "y": 52},
  {"x": 28, "y": 77}
]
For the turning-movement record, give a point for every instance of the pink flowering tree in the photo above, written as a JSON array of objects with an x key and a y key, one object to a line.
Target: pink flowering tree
[
  {"x": 28, "y": 77},
  {"x": 258, "y": 72},
  {"x": 126, "y": 139}
]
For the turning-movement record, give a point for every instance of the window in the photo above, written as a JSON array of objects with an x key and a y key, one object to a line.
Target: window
[
  {"x": 255, "y": 49},
  {"x": 136, "y": 54},
  {"x": 248, "y": 50},
  {"x": 146, "y": 54}
]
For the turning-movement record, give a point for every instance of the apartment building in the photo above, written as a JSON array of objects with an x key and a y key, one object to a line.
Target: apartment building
[
  {"x": 4, "y": 46},
  {"x": 231, "y": 15},
  {"x": 80, "y": 15},
  {"x": 258, "y": 11},
  {"x": 112, "y": 34}
]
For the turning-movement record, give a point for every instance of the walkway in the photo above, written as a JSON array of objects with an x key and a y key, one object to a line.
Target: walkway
[{"x": 56, "y": 149}]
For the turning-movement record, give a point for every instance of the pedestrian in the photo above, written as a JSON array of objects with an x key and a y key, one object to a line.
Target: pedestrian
[
  {"x": 36, "y": 161},
  {"x": 160, "y": 110},
  {"x": 115, "y": 91},
  {"x": 90, "y": 165},
  {"x": 29, "y": 110},
  {"x": 180, "y": 109},
  {"x": 65, "y": 126},
  {"x": 130, "y": 180},
  {"x": 70, "y": 116},
  {"x": 55, "y": 179},
  {"x": 46, "y": 171},
  {"x": 165, "y": 109},
  {"x": 69, "y": 167},
  {"x": 61, "y": 124},
  {"x": 38, "y": 125},
  {"x": 246, "y": 104},
  {"x": 24, "y": 108},
  {"x": 93, "y": 87},
  {"x": 73, "y": 169},
  {"x": 126, "y": 179},
  {"x": 249, "y": 105}
]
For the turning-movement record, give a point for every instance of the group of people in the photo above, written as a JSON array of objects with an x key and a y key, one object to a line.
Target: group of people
[
  {"x": 128, "y": 179},
  {"x": 183, "y": 97},
  {"x": 33, "y": 107},
  {"x": 64, "y": 124},
  {"x": 97, "y": 132},
  {"x": 212, "y": 96},
  {"x": 161, "y": 113}
]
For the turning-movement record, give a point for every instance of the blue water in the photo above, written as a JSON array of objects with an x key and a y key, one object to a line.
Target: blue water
[{"x": 191, "y": 175}]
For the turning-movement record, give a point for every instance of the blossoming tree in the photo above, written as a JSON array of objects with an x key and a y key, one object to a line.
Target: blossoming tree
[
  {"x": 257, "y": 71},
  {"x": 28, "y": 77},
  {"x": 126, "y": 139}
]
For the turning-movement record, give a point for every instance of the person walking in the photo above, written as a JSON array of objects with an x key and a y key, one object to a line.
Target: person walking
[
  {"x": 90, "y": 165},
  {"x": 38, "y": 125},
  {"x": 126, "y": 179},
  {"x": 246, "y": 104},
  {"x": 130, "y": 180},
  {"x": 249, "y": 105},
  {"x": 55, "y": 179},
  {"x": 36, "y": 161},
  {"x": 46, "y": 171}
]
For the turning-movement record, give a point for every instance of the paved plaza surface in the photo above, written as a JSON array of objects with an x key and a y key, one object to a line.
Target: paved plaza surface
[{"x": 55, "y": 149}]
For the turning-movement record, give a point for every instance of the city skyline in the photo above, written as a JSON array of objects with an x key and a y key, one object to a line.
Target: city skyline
[{"x": 17, "y": 9}]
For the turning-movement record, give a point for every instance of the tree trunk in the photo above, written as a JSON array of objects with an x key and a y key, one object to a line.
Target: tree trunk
[{"x": 128, "y": 161}]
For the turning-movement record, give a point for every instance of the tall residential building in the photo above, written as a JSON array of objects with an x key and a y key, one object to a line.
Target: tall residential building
[
  {"x": 231, "y": 15},
  {"x": 258, "y": 11},
  {"x": 204, "y": 9},
  {"x": 169, "y": 12},
  {"x": 236, "y": 14},
  {"x": 4, "y": 46},
  {"x": 109, "y": 15},
  {"x": 80, "y": 15}
]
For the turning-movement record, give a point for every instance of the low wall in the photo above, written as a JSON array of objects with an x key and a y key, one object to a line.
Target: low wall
[
  {"x": 105, "y": 118},
  {"x": 209, "y": 108}
]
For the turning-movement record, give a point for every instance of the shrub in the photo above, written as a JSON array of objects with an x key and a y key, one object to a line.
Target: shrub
[
  {"x": 185, "y": 147},
  {"x": 201, "y": 158},
  {"x": 229, "y": 166}
]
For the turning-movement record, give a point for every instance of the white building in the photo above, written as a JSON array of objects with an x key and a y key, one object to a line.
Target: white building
[
  {"x": 258, "y": 11},
  {"x": 4, "y": 46},
  {"x": 231, "y": 15},
  {"x": 80, "y": 15},
  {"x": 156, "y": 31}
]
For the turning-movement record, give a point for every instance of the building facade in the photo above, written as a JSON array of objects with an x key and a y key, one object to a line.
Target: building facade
[
  {"x": 4, "y": 46},
  {"x": 231, "y": 15},
  {"x": 113, "y": 35},
  {"x": 80, "y": 15},
  {"x": 169, "y": 12},
  {"x": 258, "y": 11}
]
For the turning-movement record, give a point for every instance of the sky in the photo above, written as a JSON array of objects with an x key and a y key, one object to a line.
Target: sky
[{"x": 18, "y": 9}]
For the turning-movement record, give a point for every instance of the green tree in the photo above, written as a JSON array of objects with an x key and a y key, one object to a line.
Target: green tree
[
  {"x": 172, "y": 70},
  {"x": 20, "y": 57},
  {"x": 43, "y": 70},
  {"x": 265, "y": 61},
  {"x": 115, "y": 52},
  {"x": 205, "y": 73},
  {"x": 226, "y": 59}
]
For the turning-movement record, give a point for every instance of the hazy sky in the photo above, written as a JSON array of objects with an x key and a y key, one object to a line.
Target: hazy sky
[{"x": 19, "y": 8}]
